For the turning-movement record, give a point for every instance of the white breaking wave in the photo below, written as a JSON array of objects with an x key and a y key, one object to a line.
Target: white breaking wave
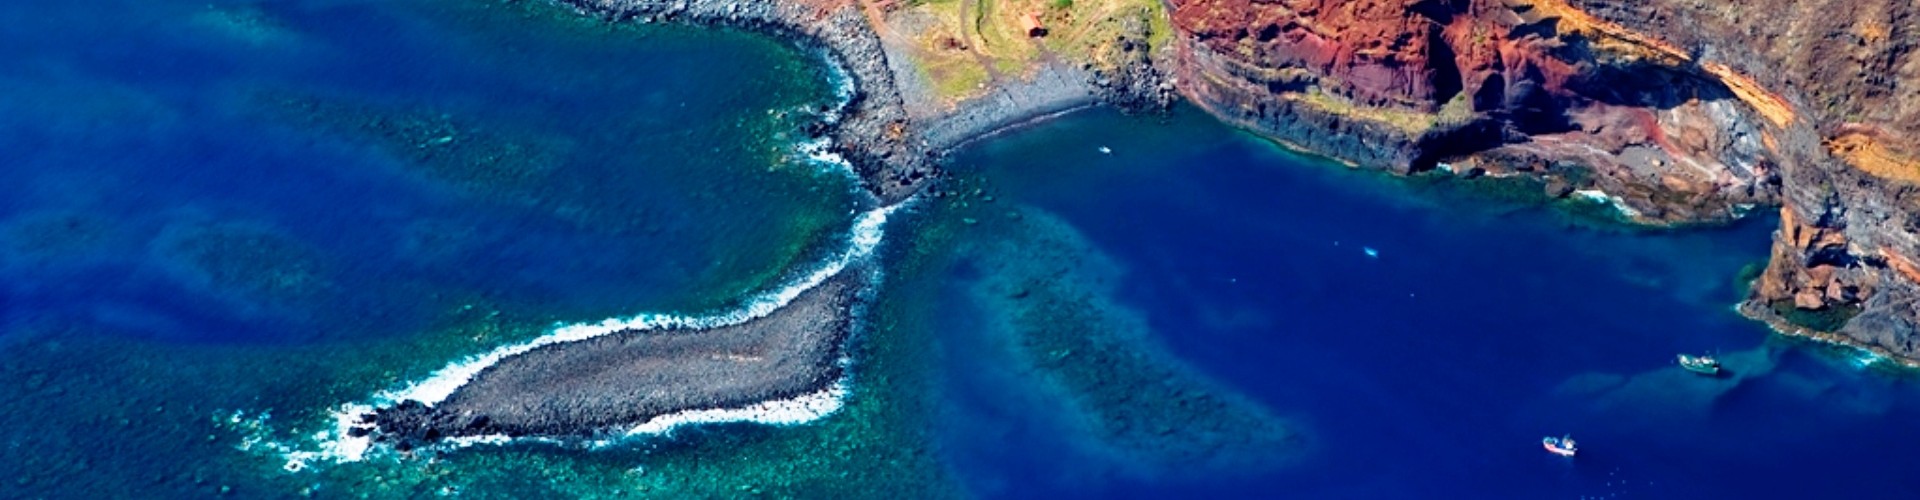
[
  {"x": 791, "y": 411},
  {"x": 866, "y": 236},
  {"x": 1616, "y": 202},
  {"x": 844, "y": 86},
  {"x": 820, "y": 150},
  {"x": 336, "y": 445}
]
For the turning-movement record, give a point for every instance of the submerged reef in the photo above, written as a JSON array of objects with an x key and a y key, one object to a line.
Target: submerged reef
[
  {"x": 1051, "y": 295},
  {"x": 627, "y": 378},
  {"x": 245, "y": 260},
  {"x": 441, "y": 146}
]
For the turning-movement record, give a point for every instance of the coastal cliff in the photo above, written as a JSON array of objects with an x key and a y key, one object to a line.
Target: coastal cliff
[{"x": 1675, "y": 112}]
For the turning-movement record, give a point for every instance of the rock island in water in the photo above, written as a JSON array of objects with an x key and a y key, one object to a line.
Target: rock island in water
[{"x": 627, "y": 378}]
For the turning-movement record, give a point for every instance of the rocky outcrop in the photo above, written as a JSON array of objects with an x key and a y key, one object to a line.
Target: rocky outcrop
[
  {"x": 1683, "y": 112},
  {"x": 1485, "y": 86},
  {"x": 611, "y": 382}
]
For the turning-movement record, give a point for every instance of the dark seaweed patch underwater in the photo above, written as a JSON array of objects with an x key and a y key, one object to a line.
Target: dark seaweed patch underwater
[{"x": 225, "y": 219}]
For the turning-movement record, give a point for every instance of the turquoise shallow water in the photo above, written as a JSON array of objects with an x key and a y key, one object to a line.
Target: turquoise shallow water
[{"x": 271, "y": 208}]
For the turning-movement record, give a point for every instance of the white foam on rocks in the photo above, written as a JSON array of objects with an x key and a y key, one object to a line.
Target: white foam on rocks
[
  {"x": 1616, "y": 202},
  {"x": 336, "y": 445}
]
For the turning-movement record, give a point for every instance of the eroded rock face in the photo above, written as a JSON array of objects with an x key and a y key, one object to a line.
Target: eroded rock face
[
  {"x": 1684, "y": 111},
  {"x": 1517, "y": 86}
]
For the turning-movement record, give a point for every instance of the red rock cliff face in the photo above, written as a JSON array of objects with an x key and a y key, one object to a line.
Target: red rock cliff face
[{"x": 1680, "y": 111}]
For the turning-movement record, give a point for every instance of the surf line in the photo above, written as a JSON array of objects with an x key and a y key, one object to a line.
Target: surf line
[{"x": 338, "y": 445}]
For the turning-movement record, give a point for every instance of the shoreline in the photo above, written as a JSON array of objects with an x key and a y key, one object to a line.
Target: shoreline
[
  {"x": 1051, "y": 91},
  {"x": 1779, "y": 326},
  {"x": 893, "y": 151},
  {"x": 1023, "y": 123},
  {"x": 872, "y": 132}
]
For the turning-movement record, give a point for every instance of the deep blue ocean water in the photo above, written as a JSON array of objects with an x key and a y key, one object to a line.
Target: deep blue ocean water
[
  {"x": 1434, "y": 367},
  {"x": 275, "y": 207}
]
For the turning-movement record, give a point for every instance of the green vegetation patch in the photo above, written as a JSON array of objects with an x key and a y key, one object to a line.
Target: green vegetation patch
[
  {"x": 1409, "y": 121},
  {"x": 1826, "y": 319},
  {"x": 969, "y": 42}
]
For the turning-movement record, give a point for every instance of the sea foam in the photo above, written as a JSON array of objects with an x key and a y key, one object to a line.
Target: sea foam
[
  {"x": 865, "y": 237},
  {"x": 1619, "y": 204}
]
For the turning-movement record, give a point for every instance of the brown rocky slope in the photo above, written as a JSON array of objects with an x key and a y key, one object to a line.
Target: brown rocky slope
[{"x": 1681, "y": 111}]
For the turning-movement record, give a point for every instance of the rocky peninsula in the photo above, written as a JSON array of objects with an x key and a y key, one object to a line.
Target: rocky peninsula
[{"x": 616, "y": 381}]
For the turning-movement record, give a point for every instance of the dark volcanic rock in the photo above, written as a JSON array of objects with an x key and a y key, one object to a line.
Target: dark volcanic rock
[
  {"x": 1521, "y": 86},
  {"x": 625, "y": 378}
]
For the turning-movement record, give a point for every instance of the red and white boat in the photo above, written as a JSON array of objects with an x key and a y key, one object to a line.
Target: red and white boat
[{"x": 1562, "y": 446}]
